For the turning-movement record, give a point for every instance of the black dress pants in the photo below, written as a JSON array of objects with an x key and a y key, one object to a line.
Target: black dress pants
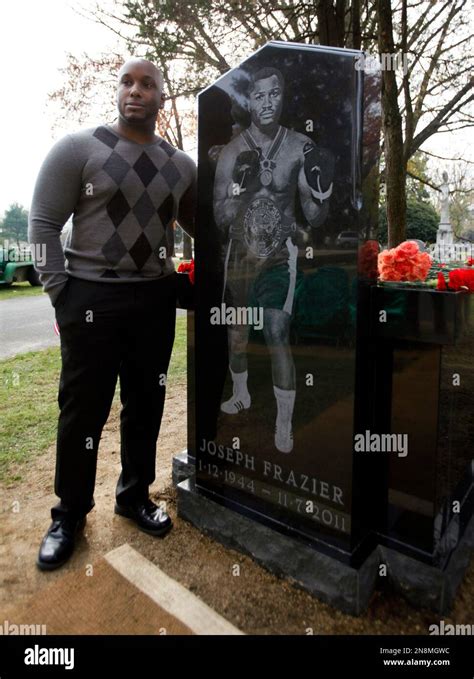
[{"x": 110, "y": 331}]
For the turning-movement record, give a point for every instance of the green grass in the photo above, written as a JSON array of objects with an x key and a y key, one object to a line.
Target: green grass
[
  {"x": 19, "y": 290},
  {"x": 28, "y": 397},
  {"x": 177, "y": 369},
  {"x": 28, "y": 393}
]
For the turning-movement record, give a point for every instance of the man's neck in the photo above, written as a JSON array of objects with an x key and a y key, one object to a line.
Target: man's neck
[
  {"x": 140, "y": 133},
  {"x": 263, "y": 134}
]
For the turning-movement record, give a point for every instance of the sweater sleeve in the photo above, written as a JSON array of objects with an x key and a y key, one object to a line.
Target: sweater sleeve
[
  {"x": 56, "y": 194},
  {"x": 187, "y": 203}
]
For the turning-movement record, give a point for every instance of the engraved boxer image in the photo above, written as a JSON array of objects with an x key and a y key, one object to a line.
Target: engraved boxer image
[{"x": 260, "y": 175}]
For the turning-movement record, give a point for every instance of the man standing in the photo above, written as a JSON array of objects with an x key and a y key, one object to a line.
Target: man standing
[
  {"x": 260, "y": 176},
  {"x": 115, "y": 300}
]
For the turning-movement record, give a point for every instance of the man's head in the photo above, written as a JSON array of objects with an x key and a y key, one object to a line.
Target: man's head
[
  {"x": 139, "y": 91},
  {"x": 266, "y": 96}
]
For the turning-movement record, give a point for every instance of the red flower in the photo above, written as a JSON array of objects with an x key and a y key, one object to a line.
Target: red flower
[
  {"x": 441, "y": 282},
  {"x": 184, "y": 267},
  {"x": 367, "y": 264},
  {"x": 461, "y": 279},
  {"x": 408, "y": 247},
  {"x": 404, "y": 263},
  {"x": 187, "y": 267},
  {"x": 470, "y": 261}
]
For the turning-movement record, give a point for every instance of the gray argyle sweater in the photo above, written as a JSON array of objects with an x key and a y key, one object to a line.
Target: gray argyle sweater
[{"x": 123, "y": 197}]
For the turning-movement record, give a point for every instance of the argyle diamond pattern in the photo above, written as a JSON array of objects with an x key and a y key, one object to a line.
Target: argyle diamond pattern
[
  {"x": 140, "y": 251},
  {"x": 165, "y": 211},
  {"x": 171, "y": 174},
  {"x": 114, "y": 249},
  {"x": 145, "y": 169},
  {"x": 118, "y": 208},
  {"x": 110, "y": 273},
  {"x": 143, "y": 209},
  {"x": 106, "y": 137},
  {"x": 142, "y": 206},
  {"x": 116, "y": 167}
]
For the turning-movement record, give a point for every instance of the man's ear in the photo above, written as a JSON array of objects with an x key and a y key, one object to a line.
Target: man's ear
[{"x": 162, "y": 100}]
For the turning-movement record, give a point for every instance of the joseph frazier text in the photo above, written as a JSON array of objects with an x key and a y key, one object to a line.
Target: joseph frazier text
[{"x": 274, "y": 471}]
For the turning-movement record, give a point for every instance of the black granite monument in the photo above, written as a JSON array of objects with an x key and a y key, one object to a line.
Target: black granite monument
[{"x": 286, "y": 366}]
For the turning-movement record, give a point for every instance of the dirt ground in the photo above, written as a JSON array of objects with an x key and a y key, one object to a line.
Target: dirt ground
[{"x": 255, "y": 601}]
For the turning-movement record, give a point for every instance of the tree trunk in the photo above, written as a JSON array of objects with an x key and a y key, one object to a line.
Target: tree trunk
[
  {"x": 356, "y": 32},
  {"x": 331, "y": 22},
  {"x": 395, "y": 166}
]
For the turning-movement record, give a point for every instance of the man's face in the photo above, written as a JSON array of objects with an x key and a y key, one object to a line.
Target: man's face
[
  {"x": 266, "y": 100},
  {"x": 139, "y": 93}
]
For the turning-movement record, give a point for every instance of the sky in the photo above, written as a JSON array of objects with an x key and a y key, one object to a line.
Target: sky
[{"x": 34, "y": 39}]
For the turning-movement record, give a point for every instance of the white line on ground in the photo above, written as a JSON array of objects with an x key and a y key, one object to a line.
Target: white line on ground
[{"x": 167, "y": 593}]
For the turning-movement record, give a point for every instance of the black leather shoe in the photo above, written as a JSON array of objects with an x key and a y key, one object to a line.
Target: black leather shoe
[
  {"x": 58, "y": 543},
  {"x": 148, "y": 517}
]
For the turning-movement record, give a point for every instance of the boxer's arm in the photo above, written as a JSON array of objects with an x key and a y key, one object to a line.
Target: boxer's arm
[
  {"x": 315, "y": 213},
  {"x": 226, "y": 197},
  {"x": 315, "y": 182}
]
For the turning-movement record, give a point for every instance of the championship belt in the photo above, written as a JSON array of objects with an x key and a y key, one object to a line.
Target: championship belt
[
  {"x": 267, "y": 163},
  {"x": 263, "y": 228}
]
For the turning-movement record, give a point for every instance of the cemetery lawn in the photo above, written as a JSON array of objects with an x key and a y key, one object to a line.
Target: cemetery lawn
[
  {"x": 28, "y": 394},
  {"x": 19, "y": 290},
  {"x": 255, "y": 601}
]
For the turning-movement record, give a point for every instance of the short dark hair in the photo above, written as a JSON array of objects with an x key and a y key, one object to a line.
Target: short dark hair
[{"x": 263, "y": 73}]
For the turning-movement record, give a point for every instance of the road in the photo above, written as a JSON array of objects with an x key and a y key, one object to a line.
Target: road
[{"x": 27, "y": 324}]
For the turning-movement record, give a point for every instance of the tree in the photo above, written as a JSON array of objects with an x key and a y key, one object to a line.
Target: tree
[
  {"x": 15, "y": 223},
  {"x": 395, "y": 166},
  {"x": 89, "y": 84},
  {"x": 418, "y": 179},
  {"x": 422, "y": 221},
  {"x": 441, "y": 31},
  {"x": 201, "y": 39}
]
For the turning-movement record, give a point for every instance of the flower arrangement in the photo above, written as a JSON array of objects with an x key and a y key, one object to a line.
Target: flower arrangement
[
  {"x": 187, "y": 267},
  {"x": 367, "y": 259},
  {"x": 458, "y": 279},
  {"x": 404, "y": 263}
]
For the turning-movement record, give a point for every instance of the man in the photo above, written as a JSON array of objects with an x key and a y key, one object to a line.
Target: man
[
  {"x": 260, "y": 175},
  {"x": 115, "y": 300}
]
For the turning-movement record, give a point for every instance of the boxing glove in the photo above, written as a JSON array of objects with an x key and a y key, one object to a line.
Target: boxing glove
[
  {"x": 319, "y": 171},
  {"x": 246, "y": 170}
]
